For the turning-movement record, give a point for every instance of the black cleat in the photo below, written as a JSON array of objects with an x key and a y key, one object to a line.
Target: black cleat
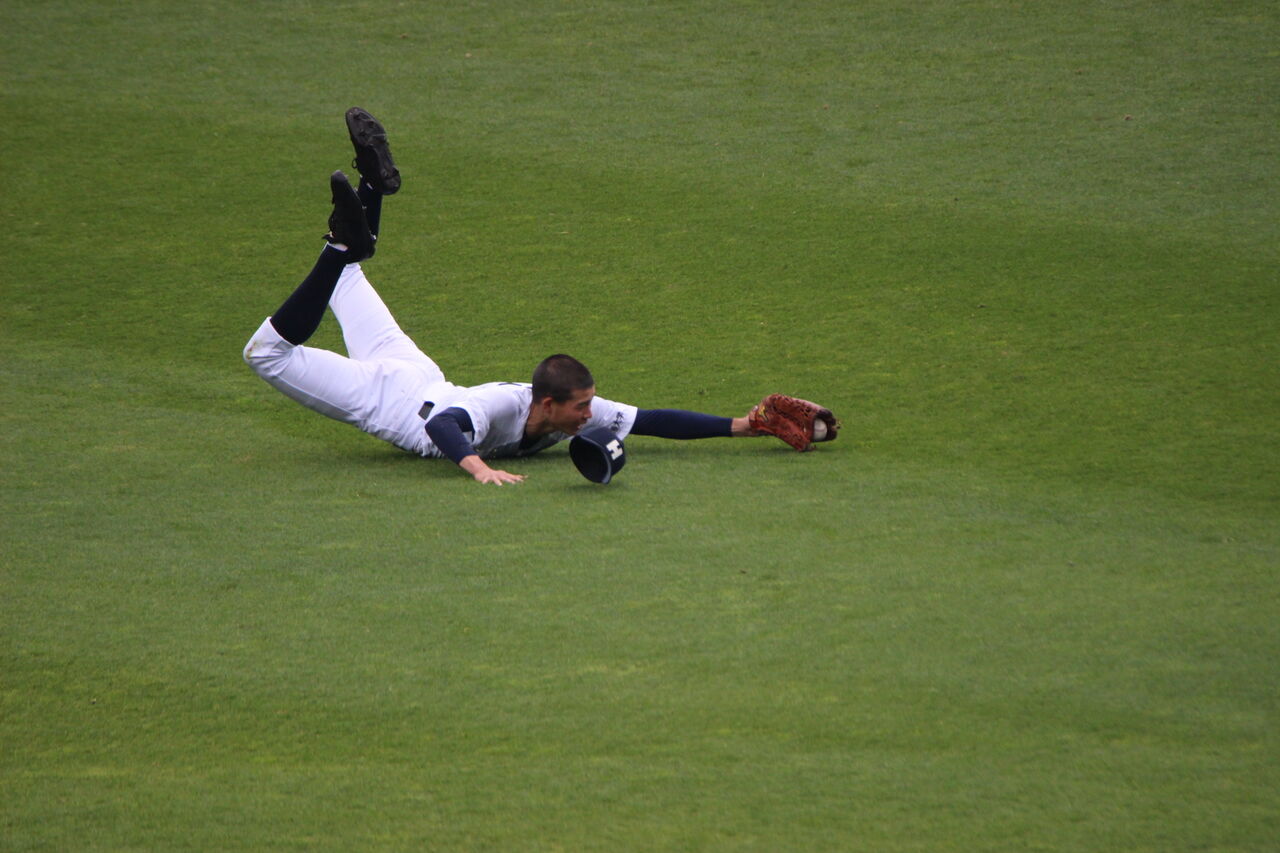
[
  {"x": 347, "y": 223},
  {"x": 373, "y": 154}
]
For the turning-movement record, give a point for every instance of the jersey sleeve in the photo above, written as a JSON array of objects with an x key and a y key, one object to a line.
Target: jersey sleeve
[
  {"x": 618, "y": 417},
  {"x": 448, "y": 432}
]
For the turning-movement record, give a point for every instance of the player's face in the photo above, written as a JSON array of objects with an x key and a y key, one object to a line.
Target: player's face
[{"x": 573, "y": 414}]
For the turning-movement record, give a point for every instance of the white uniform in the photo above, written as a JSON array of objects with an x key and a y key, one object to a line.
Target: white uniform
[{"x": 383, "y": 382}]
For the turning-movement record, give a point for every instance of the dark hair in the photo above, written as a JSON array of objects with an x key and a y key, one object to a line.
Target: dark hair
[{"x": 558, "y": 376}]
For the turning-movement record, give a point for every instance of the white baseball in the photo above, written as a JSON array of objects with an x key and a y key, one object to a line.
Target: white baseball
[{"x": 819, "y": 430}]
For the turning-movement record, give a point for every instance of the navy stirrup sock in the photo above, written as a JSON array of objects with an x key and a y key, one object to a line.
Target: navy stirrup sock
[{"x": 300, "y": 315}]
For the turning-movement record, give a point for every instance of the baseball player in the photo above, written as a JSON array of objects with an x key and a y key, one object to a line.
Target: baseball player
[{"x": 387, "y": 387}]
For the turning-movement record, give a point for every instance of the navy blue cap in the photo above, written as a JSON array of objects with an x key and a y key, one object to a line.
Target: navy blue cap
[{"x": 598, "y": 454}]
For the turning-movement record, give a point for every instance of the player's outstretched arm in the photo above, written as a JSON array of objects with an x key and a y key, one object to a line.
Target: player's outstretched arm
[
  {"x": 799, "y": 423},
  {"x": 476, "y": 467},
  {"x": 682, "y": 424}
]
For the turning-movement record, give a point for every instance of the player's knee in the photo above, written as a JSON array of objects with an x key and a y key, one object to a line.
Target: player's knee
[
  {"x": 265, "y": 350},
  {"x": 254, "y": 352}
]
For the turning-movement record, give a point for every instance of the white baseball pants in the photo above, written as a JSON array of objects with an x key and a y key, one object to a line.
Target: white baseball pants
[{"x": 379, "y": 386}]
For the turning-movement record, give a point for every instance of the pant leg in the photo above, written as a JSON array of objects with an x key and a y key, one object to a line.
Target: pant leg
[
  {"x": 368, "y": 329},
  {"x": 339, "y": 387},
  {"x": 381, "y": 397}
]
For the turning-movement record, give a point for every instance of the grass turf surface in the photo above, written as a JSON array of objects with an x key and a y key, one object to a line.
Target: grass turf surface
[{"x": 1027, "y": 601}]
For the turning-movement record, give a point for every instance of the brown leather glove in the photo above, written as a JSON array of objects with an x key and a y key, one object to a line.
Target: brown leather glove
[{"x": 794, "y": 421}]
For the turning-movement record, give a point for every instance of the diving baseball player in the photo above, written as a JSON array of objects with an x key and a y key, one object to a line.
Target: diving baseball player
[{"x": 387, "y": 387}]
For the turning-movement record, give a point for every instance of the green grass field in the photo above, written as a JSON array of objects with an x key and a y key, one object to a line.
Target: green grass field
[{"x": 1028, "y": 601}]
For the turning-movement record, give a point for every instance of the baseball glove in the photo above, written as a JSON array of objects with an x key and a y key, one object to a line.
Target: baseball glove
[{"x": 794, "y": 421}]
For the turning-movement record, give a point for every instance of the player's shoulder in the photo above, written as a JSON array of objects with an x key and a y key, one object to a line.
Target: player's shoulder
[
  {"x": 502, "y": 389},
  {"x": 500, "y": 395}
]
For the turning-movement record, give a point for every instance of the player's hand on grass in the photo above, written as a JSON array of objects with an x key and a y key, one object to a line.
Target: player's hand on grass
[
  {"x": 493, "y": 475},
  {"x": 476, "y": 467}
]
